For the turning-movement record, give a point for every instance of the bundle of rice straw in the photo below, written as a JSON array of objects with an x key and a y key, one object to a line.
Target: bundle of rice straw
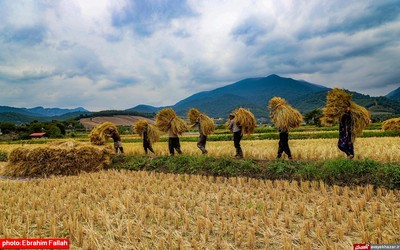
[
  {"x": 391, "y": 124},
  {"x": 283, "y": 115},
  {"x": 167, "y": 119},
  {"x": 337, "y": 102},
  {"x": 246, "y": 119},
  {"x": 65, "y": 158},
  {"x": 152, "y": 131},
  {"x": 206, "y": 123},
  {"x": 98, "y": 135}
]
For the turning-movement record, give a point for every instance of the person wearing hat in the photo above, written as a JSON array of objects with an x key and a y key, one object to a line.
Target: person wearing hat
[
  {"x": 237, "y": 135},
  {"x": 117, "y": 139}
]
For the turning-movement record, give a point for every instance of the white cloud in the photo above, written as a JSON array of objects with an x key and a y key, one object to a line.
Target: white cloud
[{"x": 70, "y": 53}]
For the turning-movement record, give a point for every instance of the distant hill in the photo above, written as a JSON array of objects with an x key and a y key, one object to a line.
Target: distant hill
[
  {"x": 145, "y": 109},
  {"x": 394, "y": 95},
  {"x": 25, "y": 115},
  {"x": 119, "y": 120},
  {"x": 23, "y": 118},
  {"x": 254, "y": 93}
]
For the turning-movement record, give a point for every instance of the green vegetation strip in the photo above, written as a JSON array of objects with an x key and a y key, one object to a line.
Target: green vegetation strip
[{"x": 341, "y": 172}]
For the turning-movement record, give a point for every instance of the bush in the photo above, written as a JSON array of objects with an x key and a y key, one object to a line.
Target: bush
[{"x": 3, "y": 156}]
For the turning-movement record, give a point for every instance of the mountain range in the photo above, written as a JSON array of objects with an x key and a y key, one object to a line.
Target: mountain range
[
  {"x": 22, "y": 115},
  {"x": 252, "y": 93}
]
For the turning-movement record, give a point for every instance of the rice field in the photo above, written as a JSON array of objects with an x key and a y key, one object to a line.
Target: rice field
[
  {"x": 383, "y": 149},
  {"x": 146, "y": 210}
]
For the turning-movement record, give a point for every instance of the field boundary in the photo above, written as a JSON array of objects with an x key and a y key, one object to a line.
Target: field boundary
[{"x": 342, "y": 172}]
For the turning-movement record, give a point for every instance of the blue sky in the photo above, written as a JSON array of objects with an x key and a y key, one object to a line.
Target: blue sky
[{"x": 116, "y": 54}]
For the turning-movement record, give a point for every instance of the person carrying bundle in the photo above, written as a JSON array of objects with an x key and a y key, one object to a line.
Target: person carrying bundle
[
  {"x": 352, "y": 118},
  {"x": 237, "y": 135},
  {"x": 149, "y": 133},
  {"x": 113, "y": 133},
  {"x": 168, "y": 121},
  {"x": 206, "y": 127},
  {"x": 173, "y": 141},
  {"x": 241, "y": 121},
  {"x": 345, "y": 143},
  {"x": 285, "y": 118}
]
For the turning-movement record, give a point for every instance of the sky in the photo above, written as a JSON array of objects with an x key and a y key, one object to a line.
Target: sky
[{"x": 116, "y": 54}]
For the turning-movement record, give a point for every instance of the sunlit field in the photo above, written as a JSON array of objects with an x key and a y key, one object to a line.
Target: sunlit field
[
  {"x": 147, "y": 210},
  {"x": 384, "y": 149}
]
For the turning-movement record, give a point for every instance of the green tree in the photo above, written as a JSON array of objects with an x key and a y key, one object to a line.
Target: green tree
[
  {"x": 54, "y": 132},
  {"x": 313, "y": 117},
  {"x": 7, "y": 127}
]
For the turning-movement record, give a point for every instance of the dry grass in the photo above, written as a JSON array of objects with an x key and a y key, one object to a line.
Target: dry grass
[
  {"x": 383, "y": 149},
  {"x": 61, "y": 158},
  {"x": 246, "y": 119},
  {"x": 167, "y": 119},
  {"x": 142, "y": 210},
  {"x": 380, "y": 149},
  {"x": 337, "y": 103},
  {"x": 391, "y": 124},
  {"x": 98, "y": 135},
  {"x": 283, "y": 115},
  {"x": 152, "y": 131},
  {"x": 206, "y": 123}
]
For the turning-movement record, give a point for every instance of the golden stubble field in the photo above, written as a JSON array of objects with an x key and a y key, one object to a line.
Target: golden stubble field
[
  {"x": 383, "y": 149},
  {"x": 146, "y": 210}
]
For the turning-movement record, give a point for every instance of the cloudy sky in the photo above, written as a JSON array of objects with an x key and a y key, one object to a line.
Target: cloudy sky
[{"x": 116, "y": 54}]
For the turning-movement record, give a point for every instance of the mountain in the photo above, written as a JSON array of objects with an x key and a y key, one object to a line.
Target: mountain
[
  {"x": 254, "y": 93},
  {"x": 394, "y": 95},
  {"x": 25, "y": 115},
  {"x": 144, "y": 109},
  {"x": 54, "y": 111},
  {"x": 40, "y": 111}
]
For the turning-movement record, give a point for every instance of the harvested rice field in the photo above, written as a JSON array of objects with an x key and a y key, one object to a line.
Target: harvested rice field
[
  {"x": 146, "y": 210},
  {"x": 383, "y": 149}
]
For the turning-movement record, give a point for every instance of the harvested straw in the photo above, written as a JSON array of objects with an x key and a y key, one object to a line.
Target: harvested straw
[
  {"x": 283, "y": 115},
  {"x": 391, "y": 124},
  {"x": 167, "y": 119},
  {"x": 98, "y": 135},
  {"x": 66, "y": 158},
  {"x": 246, "y": 119},
  {"x": 360, "y": 118},
  {"x": 206, "y": 123},
  {"x": 338, "y": 102},
  {"x": 152, "y": 131}
]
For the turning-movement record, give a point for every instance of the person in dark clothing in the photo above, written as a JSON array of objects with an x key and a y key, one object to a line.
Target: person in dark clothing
[
  {"x": 345, "y": 142},
  {"x": 173, "y": 142},
  {"x": 146, "y": 141},
  {"x": 202, "y": 140},
  {"x": 284, "y": 144},
  {"x": 117, "y": 139},
  {"x": 237, "y": 135}
]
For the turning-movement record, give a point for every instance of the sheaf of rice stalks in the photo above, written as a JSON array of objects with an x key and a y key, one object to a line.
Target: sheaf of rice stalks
[
  {"x": 206, "y": 123},
  {"x": 152, "y": 131},
  {"x": 283, "y": 115},
  {"x": 391, "y": 124},
  {"x": 61, "y": 158},
  {"x": 98, "y": 135},
  {"x": 167, "y": 119},
  {"x": 246, "y": 119}
]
